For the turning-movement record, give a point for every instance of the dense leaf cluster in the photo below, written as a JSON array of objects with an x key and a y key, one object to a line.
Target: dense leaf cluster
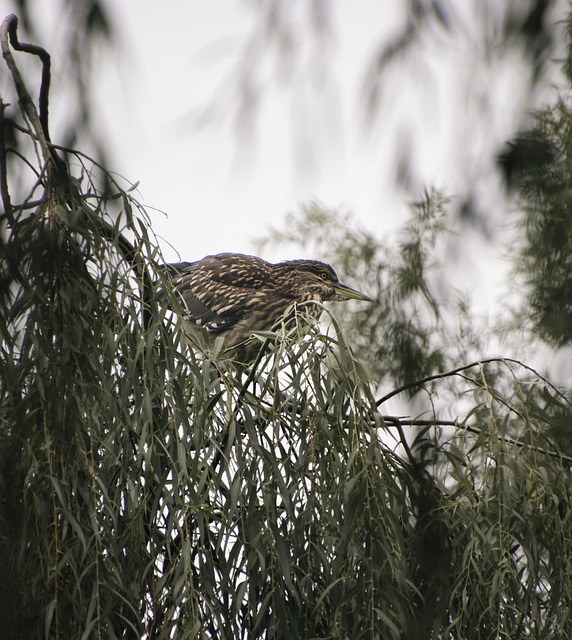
[{"x": 149, "y": 492}]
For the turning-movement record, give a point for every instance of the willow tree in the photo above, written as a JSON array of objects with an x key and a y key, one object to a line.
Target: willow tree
[{"x": 150, "y": 491}]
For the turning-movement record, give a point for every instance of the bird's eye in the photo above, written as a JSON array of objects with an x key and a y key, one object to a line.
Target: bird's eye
[{"x": 324, "y": 275}]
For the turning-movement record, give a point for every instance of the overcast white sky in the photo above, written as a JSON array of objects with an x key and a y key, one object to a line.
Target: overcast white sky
[{"x": 220, "y": 190}]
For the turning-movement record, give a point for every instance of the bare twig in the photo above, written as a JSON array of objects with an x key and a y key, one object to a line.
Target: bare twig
[
  {"x": 453, "y": 372},
  {"x": 6, "y": 201},
  {"x": 400, "y": 422},
  {"x": 44, "y": 56},
  {"x": 8, "y": 36},
  {"x": 405, "y": 444}
]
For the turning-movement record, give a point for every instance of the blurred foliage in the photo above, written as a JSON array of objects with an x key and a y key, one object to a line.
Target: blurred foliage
[
  {"x": 538, "y": 164},
  {"x": 523, "y": 26},
  {"x": 446, "y": 55},
  {"x": 279, "y": 30},
  {"x": 417, "y": 324}
]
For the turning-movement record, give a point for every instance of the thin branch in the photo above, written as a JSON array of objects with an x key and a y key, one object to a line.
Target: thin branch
[
  {"x": 453, "y": 372},
  {"x": 33, "y": 49},
  {"x": 4, "y": 191},
  {"x": 414, "y": 422},
  {"x": 8, "y": 36},
  {"x": 27, "y": 162},
  {"x": 417, "y": 422},
  {"x": 405, "y": 444}
]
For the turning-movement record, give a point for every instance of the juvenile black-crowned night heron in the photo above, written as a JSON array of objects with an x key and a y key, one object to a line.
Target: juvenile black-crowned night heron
[{"x": 235, "y": 295}]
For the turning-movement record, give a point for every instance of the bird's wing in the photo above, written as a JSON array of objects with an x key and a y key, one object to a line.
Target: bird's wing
[
  {"x": 237, "y": 270},
  {"x": 218, "y": 290}
]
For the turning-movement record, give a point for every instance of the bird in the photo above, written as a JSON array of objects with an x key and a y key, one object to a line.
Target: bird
[{"x": 236, "y": 295}]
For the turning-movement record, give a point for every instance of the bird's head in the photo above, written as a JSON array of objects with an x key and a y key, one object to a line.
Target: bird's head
[{"x": 314, "y": 280}]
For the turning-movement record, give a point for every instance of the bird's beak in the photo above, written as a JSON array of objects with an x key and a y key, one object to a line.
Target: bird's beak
[{"x": 343, "y": 292}]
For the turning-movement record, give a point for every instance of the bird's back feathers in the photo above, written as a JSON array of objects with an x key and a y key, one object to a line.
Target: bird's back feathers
[{"x": 235, "y": 295}]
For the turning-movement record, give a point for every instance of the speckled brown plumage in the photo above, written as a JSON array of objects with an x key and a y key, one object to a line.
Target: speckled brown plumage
[{"x": 234, "y": 295}]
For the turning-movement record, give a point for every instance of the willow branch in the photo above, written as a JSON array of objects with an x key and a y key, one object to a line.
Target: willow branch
[
  {"x": 399, "y": 423},
  {"x": 8, "y": 36},
  {"x": 33, "y": 49},
  {"x": 4, "y": 191},
  {"x": 447, "y": 374}
]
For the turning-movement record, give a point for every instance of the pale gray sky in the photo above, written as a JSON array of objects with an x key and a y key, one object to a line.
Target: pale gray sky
[{"x": 220, "y": 191}]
